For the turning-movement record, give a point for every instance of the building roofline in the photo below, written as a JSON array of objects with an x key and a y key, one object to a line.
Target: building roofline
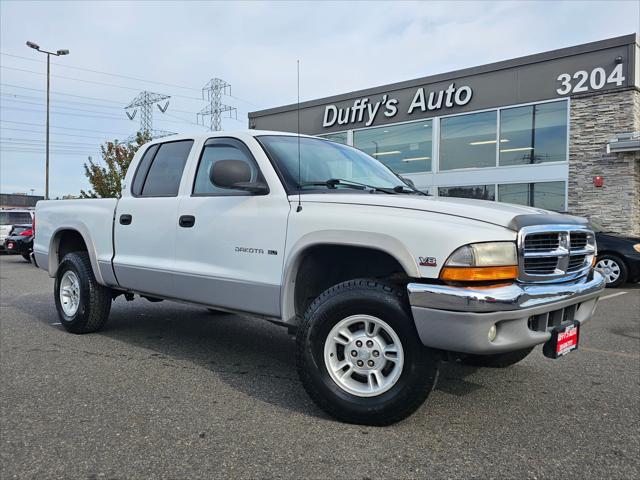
[{"x": 630, "y": 39}]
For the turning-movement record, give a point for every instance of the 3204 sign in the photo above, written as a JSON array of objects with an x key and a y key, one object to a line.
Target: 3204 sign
[{"x": 583, "y": 81}]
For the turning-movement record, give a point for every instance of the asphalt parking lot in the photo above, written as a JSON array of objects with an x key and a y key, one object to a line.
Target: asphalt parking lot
[{"x": 172, "y": 391}]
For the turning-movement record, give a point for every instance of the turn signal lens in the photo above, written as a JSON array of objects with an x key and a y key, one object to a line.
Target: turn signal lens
[{"x": 479, "y": 274}]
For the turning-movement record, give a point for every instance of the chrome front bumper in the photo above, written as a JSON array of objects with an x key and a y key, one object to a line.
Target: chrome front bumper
[{"x": 459, "y": 318}]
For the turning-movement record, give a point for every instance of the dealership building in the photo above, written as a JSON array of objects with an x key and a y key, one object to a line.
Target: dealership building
[{"x": 558, "y": 130}]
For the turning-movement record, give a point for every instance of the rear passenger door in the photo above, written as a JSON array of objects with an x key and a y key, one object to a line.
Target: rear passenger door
[{"x": 146, "y": 219}]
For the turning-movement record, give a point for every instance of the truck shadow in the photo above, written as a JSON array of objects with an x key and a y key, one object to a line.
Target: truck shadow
[{"x": 247, "y": 354}]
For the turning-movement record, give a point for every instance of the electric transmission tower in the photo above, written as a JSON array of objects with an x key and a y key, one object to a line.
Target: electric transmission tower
[
  {"x": 145, "y": 102},
  {"x": 212, "y": 92}
]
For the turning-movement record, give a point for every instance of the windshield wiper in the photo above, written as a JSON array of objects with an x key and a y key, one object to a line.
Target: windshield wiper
[
  {"x": 334, "y": 182},
  {"x": 408, "y": 189}
]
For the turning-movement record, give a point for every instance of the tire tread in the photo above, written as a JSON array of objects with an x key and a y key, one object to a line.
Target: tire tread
[
  {"x": 97, "y": 305},
  {"x": 410, "y": 405}
]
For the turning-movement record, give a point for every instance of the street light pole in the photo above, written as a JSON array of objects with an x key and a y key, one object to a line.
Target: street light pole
[
  {"x": 46, "y": 168},
  {"x": 58, "y": 53}
]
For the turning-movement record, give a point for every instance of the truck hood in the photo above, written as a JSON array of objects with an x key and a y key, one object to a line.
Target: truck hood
[{"x": 502, "y": 214}]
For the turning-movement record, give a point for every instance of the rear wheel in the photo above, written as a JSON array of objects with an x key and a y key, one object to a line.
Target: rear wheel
[
  {"x": 613, "y": 269},
  {"x": 497, "y": 360},
  {"x": 83, "y": 304},
  {"x": 359, "y": 356}
]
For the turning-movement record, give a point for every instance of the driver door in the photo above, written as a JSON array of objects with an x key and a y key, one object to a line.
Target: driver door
[{"x": 231, "y": 254}]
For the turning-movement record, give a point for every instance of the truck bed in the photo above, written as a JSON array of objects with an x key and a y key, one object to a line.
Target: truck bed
[{"x": 92, "y": 218}]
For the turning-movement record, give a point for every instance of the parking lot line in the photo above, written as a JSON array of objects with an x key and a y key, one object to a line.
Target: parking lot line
[
  {"x": 617, "y": 294},
  {"x": 635, "y": 356}
]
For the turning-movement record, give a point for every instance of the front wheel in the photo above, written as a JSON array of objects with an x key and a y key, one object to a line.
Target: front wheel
[
  {"x": 83, "y": 304},
  {"x": 359, "y": 356},
  {"x": 613, "y": 269}
]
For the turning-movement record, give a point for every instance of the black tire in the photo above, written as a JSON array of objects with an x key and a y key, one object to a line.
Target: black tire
[
  {"x": 624, "y": 271},
  {"x": 214, "y": 311},
  {"x": 26, "y": 257},
  {"x": 94, "y": 299},
  {"x": 497, "y": 360},
  {"x": 388, "y": 303}
]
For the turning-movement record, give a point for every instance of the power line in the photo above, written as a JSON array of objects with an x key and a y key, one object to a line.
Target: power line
[
  {"x": 102, "y": 116},
  {"x": 61, "y": 152},
  {"x": 94, "y": 82},
  {"x": 184, "y": 120},
  {"x": 62, "y": 93},
  {"x": 17, "y": 144},
  {"x": 56, "y": 133},
  {"x": 17, "y": 95},
  {"x": 11, "y": 95},
  {"x": 64, "y": 65},
  {"x": 35, "y": 140},
  {"x": 40, "y": 104},
  {"x": 61, "y": 128},
  {"x": 108, "y": 117}
]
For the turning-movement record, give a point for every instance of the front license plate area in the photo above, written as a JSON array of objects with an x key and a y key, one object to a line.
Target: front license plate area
[{"x": 564, "y": 339}]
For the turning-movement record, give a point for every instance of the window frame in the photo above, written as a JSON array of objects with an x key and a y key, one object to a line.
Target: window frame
[
  {"x": 432, "y": 140},
  {"x": 565, "y": 192},
  {"x": 240, "y": 193},
  {"x": 146, "y": 173},
  {"x": 139, "y": 171}
]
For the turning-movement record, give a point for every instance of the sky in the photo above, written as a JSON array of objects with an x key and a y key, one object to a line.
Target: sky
[{"x": 118, "y": 49}]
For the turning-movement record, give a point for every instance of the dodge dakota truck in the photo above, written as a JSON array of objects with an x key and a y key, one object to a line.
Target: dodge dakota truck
[{"x": 378, "y": 281}]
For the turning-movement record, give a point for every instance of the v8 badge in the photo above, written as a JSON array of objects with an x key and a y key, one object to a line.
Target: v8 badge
[{"x": 428, "y": 261}]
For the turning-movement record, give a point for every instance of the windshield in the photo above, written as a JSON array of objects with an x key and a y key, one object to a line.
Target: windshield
[{"x": 322, "y": 161}]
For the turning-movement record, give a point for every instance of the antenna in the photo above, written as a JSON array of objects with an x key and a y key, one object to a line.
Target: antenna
[{"x": 298, "y": 132}]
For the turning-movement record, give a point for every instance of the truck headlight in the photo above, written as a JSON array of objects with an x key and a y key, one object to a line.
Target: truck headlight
[
  {"x": 636, "y": 247},
  {"x": 478, "y": 262}
]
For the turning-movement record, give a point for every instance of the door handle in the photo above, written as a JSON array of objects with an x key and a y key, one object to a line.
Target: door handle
[
  {"x": 125, "y": 219},
  {"x": 187, "y": 221}
]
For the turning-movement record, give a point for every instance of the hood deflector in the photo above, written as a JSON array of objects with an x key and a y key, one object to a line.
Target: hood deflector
[{"x": 520, "y": 221}]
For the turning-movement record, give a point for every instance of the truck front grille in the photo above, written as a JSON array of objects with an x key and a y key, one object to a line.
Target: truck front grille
[
  {"x": 546, "y": 321},
  {"x": 555, "y": 252}
]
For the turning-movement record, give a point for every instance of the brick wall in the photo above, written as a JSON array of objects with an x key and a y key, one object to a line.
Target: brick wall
[{"x": 595, "y": 120}]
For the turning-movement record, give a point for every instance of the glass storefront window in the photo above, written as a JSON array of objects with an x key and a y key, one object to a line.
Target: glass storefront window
[
  {"x": 403, "y": 148},
  {"x": 479, "y": 192},
  {"x": 468, "y": 141},
  {"x": 547, "y": 195},
  {"x": 533, "y": 134},
  {"x": 340, "y": 137}
]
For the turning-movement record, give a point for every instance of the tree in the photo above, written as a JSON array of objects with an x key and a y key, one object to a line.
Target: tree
[{"x": 107, "y": 179}]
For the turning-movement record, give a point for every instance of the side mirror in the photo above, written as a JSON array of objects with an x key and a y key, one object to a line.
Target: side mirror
[{"x": 235, "y": 175}]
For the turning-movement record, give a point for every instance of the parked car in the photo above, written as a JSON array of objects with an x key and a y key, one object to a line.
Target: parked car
[
  {"x": 20, "y": 241},
  {"x": 378, "y": 281},
  {"x": 618, "y": 255},
  {"x": 10, "y": 217}
]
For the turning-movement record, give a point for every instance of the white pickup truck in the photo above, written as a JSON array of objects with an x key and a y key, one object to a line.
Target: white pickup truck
[{"x": 378, "y": 281}]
